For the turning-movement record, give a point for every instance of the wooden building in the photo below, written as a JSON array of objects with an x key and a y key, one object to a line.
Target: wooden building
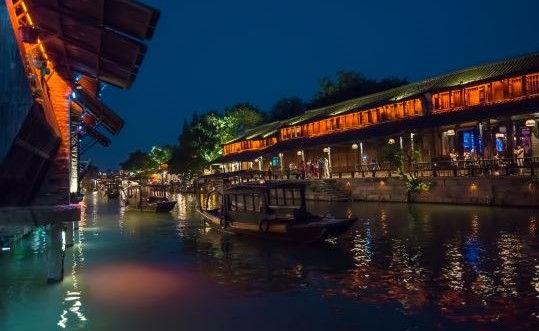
[
  {"x": 491, "y": 108},
  {"x": 55, "y": 59}
]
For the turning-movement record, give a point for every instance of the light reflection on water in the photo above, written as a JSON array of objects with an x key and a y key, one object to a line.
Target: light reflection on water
[{"x": 419, "y": 267}]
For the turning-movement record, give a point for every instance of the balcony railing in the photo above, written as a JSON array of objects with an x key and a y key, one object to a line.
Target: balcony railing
[{"x": 528, "y": 166}]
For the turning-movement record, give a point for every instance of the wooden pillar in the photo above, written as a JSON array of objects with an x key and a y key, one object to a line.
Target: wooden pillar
[
  {"x": 69, "y": 233},
  {"x": 510, "y": 136},
  {"x": 55, "y": 254},
  {"x": 490, "y": 145}
]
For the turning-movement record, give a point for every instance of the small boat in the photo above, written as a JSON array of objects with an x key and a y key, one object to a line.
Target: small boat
[
  {"x": 269, "y": 210},
  {"x": 112, "y": 189},
  {"x": 134, "y": 199}
]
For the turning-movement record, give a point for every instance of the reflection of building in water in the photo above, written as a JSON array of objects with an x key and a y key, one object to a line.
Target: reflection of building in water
[
  {"x": 362, "y": 246},
  {"x": 186, "y": 204},
  {"x": 535, "y": 281},
  {"x": 453, "y": 271},
  {"x": 482, "y": 282},
  {"x": 383, "y": 221},
  {"x": 533, "y": 227},
  {"x": 408, "y": 285},
  {"x": 467, "y": 278},
  {"x": 510, "y": 251},
  {"x": 73, "y": 298},
  {"x": 253, "y": 266}
]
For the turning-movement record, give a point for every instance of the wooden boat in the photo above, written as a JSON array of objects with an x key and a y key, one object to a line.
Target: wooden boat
[
  {"x": 112, "y": 189},
  {"x": 269, "y": 210},
  {"x": 134, "y": 199}
]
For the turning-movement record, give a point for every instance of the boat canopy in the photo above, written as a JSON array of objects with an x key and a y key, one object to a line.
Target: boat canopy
[{"x": 251, "y": 188}]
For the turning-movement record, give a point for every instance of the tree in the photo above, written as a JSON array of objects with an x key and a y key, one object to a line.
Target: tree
[
  {"x": 137, "y": 162},
  {"x": 243, "y": 116},
  {"x": 403, "y": 159},
  {"x": 351, "y": 85},
  {"x": 160, "y": 155},
  {"x": 201, "y": 140},
  {"x": 286, "y": 108}
]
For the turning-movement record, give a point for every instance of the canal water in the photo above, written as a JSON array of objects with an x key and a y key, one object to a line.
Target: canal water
[{"x": 402, "y": 267}]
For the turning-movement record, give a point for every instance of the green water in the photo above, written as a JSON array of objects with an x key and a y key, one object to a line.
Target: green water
[{"x": 402, "y": 267}]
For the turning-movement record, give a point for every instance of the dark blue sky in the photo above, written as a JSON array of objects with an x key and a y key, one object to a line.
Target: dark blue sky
[{"x": 208, "y": 55}]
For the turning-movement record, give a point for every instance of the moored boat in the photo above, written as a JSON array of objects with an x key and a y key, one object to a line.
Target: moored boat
[
  {"x": 134, "y": 199},
  {"x": 269, "y": 210}
]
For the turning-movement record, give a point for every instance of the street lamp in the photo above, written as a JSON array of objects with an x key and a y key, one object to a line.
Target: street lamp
[
  {"x": 259, "y": 160},
  {"x": 354, "y": 148},
  {"x": 281, "y": 161},
  {"x": 300, "y": 153},
  {"x": 361, "y": 151}
]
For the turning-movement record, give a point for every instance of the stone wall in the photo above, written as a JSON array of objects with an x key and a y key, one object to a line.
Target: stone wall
[{"x": 499, "y": 191}]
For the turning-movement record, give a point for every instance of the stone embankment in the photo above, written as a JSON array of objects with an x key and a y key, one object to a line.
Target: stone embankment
[{"x": 495, "y": 191}]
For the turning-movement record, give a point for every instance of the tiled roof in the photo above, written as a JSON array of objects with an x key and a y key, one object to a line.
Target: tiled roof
[
  {"x": 102, "y": 39},
  {"x": 466, "y": 77},
  {"x": 511, "y": 67},
  {"x": 258, "y": 132}
]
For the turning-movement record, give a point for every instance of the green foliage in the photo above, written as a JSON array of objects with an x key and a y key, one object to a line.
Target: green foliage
[
  {"x": 137, "y": 162},
  {"x": 242, "y": 117},
  {"x": 416, "y": 185},
  {"x": 160, "y": 155},
  {"x": 394, "y": 155},
  {"x": 402, "y": 159},
  {"x": 351, "y": 85},
  {"x": 286, "y": 108},
  {"x": 201, "y": 140}
]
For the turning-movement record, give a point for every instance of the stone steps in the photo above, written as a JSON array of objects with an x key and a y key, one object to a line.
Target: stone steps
[{"x": 326, "y": 190}]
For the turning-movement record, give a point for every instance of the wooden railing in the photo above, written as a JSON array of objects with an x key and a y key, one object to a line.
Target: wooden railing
[
  {"x": 360, "y": 171},
  {"x": 528, "y": 166}
]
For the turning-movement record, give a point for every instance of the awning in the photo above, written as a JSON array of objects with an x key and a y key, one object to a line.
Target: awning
[
  {"x": 103, "y": 114},
  {"x": 102, "y": 39},
  {"x": 96, "y": 135}
]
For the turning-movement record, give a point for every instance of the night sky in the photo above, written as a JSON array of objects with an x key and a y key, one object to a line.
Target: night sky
[{"x": 208, "y": 55}]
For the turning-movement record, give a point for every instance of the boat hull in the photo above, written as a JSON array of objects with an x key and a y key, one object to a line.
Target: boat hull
[
  {"x": 157, "y": 207},
  {"x": 312, "y": 230}
]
